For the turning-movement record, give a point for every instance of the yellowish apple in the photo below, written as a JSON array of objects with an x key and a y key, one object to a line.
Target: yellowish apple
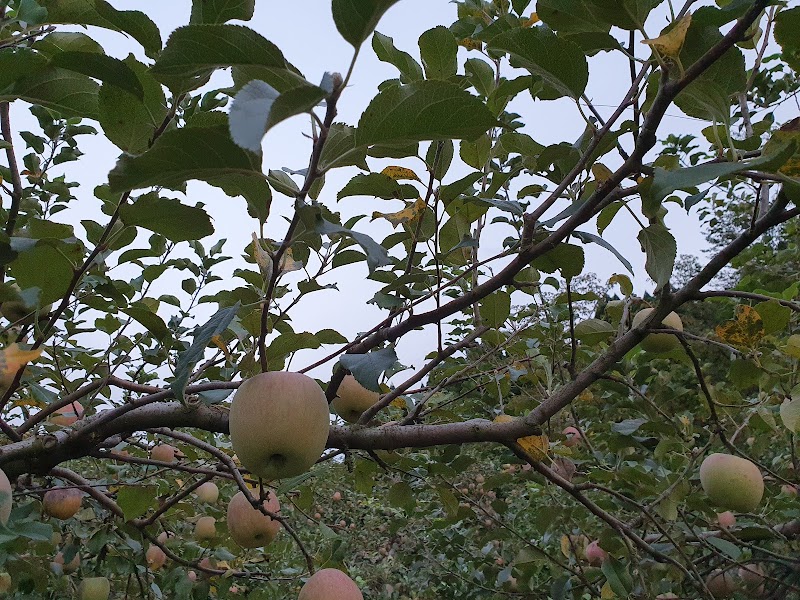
[
  {"x": 659, "y": 342},
  {"x": 205, "y": 528},
  {"x": 249, "y": 527},
  {"x": 330, "y": 584},
  {"x": 352, "y": 399},
  {"x": 279, "y": 423},
  {"x": 69, "y": 567},
  {"x": 62, "y": 503},
  {"x": 67, "y": 415},
  {"x": 155, "y": 557},
  {"x": 6, "y": 498},
  {"x": 163, "y": 453},
  {"x": 208, "y": 492},
  {"x": 732, "y": 482},
  {"x": 94, "y": 588}
]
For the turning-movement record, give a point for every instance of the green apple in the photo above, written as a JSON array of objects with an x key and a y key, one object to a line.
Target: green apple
[
  {"x": 732, "y": 482},
  {"x": 94, "y": 588},
  {"x": 659, "y": 343},
  {"x": 352, "y": 399}
]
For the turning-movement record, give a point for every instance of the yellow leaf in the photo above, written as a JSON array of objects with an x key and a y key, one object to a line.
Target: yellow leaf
[
  {"x": 670, "y": 43},
  {"x": 263, "y": 259},
  {"x": 746, "y": 329},
  {"x": 412, "y": 212},
  {"x": 535, "y": 446},
  {"x": 288, "y": 263},
  {"x": 788, "y": 131},
  {"x": 601, "y": 172},
  {"x": 532, "y": 20},
  {"x": 566, "y": 549},
  {"x": 398, "y": 402},
  {"x": 606, "y": 593},
  {"x": 398, "y": 173},
  {"x": 12, "y": 359},
  {"x": 503, "y": 418},
  {"x": 470, "y": 44},
  {"x": 220, "y": 343}
]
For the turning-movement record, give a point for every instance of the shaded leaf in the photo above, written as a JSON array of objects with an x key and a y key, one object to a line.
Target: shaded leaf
[
  {"x": 219, "y": 11},
  {"x": 377, "y": 256},
  {"x": 356, "y": 19},
  {"x": 167, "y": 216},
  {"x": 495, "y": 308},
  {"x": 367, "y": 368},
  {"x": 438, "y": 49},
  {"x": 385, "y": 50},
  {"x": 99, "y": 66},
  {"x": 136, "y": 500},
  {"x": 660, "y": 249}
]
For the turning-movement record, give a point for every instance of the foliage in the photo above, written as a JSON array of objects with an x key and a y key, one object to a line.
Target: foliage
[{"x": 429, "y": 495}]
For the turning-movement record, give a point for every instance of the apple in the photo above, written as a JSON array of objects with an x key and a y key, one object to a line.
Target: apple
[
  {"x": 573, "y": 435},
  {"x": 595, "y": 555},
  {"x": 6, "y": 498},
  {"x": 62, "y": 503},
  {"x": 208, "y": 492},
  {"x": 192, "y": 576},
  {"x": 67, "y": 415},
  {"x": 726, "y": 519},
  {"x": 337, "y": 496},
  {"x": 5, "y": 583},
  {"x": 248, "y": 526},
  {"x": 155, "y": 557},
  {"x": 732, "y": 482},
  {"x": 330, "y": 584},
  {"x": 70, "y": 567},
  {"x": 659, "y": 342},
  {"x": 279, "y": 423},
  {"x": 165, "y": 537},
  {"x": 720, "y": 584},
  {"x": 163, "y": 453},
  {"x": 94, "y": 588},
  {"x": 752, "y": 576},
  {"x": 205, "y": 528},
  {"x": 352, "y": 399},
  {"x": 789, "y": 490}
]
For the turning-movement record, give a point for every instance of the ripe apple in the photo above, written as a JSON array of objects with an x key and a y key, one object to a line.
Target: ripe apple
[
  {"x": 208, "y": 492},
  {"x": 330, "y": 584},
  {"x": 62, "y": 503},
  {"x": 192, "y": 576},
  {"x": 205, "y": 528},
  {"x": 726, "y": 519},
  {"x": 279, "y": 423},
  {"x": 6, "y": 499},
  {"x": 163, "y": 453},
  {"x": 94, "y": 588},
  {"x": 789, "y": 490},
  {"x": 595, "y": 555},
  {"x": 165, "y": 537},
  {"x": 659, "y": 342},
  {"x": 67, "y": 415},
  {"x": 573, "y": 436},
  {"x": 352, "y": 399},
  {"x": 337, "y": 496},
  {"x": 71, "y": 566},
  {"x": 155, "y": 557},
  {"x": 732, "y": 482},
  {"x": 720, "y": 584},
  {"x": 249, "y": 527}
]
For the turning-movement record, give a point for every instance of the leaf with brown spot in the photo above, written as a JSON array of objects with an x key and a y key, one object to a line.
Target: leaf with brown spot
[{"x": 746, "y": 329}]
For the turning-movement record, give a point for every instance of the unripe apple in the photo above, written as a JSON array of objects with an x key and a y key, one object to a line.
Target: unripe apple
[
  {"x": 163, "y": 453},
  {"x": 720, "y": 584},
  {"x": 249, "y": 527},
  {"x": 155, "y": 557},
  {"x": 6, "y": 498},
  {"x": 208, "y": 492},
  {"x": 595, "y": 555},
  {"x": 726, "y": 519},
  {"x": 71, "y": 566},
  {"x": 67, "y": 415},
  {"x": 62, "y": 503},
  {"x": 205, "y": 528},
  {"x": 789, "y": 490},
  {"x": 337, "y": 496},
  {"x": 5, "y": 583},
  {"x": 94, "y": 588},
  {"x": 279, "y": 424},
  {"x": 352, "y": 399},
  {"x": 659, "y": 342},
  {"x": 573, "y": 436},
  {"x": 752, "y": 576},
  {"x": 732, "y": 482},
  {"x": 330, "y": 584}
]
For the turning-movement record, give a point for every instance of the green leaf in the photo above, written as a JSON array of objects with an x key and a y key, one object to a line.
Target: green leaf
[
  {"x": 101, "y": 14},
  {"x": 167, "y": 216},
  {"x": 625, "y": 14},
  {"x": 340, "y": 149},
  {"x": 253, "y": 188},
  {"x": 790, "y": 413},
  {"x": 787, "y": 24},
  {"x": 619, "y": 580},
  {"x": 367, "y": 368},
  {"x": 99, "y": 66},
  {"x": 660, "y": 248},
  {"x": 438, "y": 49},
  {"x": 423, "y": 110},
  {"x": 774, "y": 315},
  {"x": 136, "y": 500},
  {"x": 18, "y": 63},
  {"x": 356, "y": 19},
  {"x": 151, "y": 321},
  {"x": 70, "y": 93},
  {"x": 379, "y": 186},
  {"x": 31, "y": 13},
  {"x": 286, "y": 343},
  {"x": 593, "y": 331},
  {"x": 574, "y": 16},
  {"x": 377, "y": 256},
  {"x": 385, "y": 50},
  {"x": 187, "y": 359},
  {"x": 330, "y": 336},
  {"x": 219, "y": 11},
  {"x": 258, "y": 107},
  {"x": 495, "y": 308},
  {"x": 587, "y": 237},
  {"x": 63, "y": 41},
  {"x": 402, "y": 496},
  {"x": 728, "y": 548},
  {"x": 628, "y": 426},
  {"x": 183, "y": 154},
  {"x": 43, "y": 266},
  {"x": 568, "y": 258},
  {"x": 560, "y": 63}
]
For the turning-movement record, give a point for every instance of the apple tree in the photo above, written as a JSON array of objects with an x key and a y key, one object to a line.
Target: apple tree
[{"x": 554, "y": 434}]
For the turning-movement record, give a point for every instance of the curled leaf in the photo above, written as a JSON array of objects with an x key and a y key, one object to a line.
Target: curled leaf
[
  {"x": 670, "y": 43},
  {"x": 398, "y": 173},
  {"x": 412, "y": 212},
  {"x": 12, "y": 359}
]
